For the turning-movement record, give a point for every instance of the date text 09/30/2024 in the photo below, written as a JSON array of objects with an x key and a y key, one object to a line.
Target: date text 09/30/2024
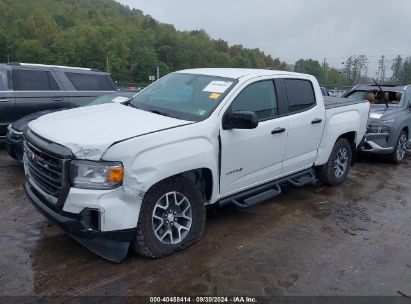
[{"x": 205, "y": 299}]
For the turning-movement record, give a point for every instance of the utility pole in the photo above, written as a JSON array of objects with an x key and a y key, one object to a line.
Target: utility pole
[
  {"x": 8, "y": 58},
  {"x": 382, "y": 68},
  {"x": 158, "y": 72},
  {"x": 107, "y": 64}
]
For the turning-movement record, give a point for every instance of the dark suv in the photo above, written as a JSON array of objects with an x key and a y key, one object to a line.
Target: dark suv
[{"x": 29, "y": 88}]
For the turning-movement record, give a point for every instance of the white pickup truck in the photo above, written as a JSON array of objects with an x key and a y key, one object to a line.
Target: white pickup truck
[{"x": 141, "y": 174}]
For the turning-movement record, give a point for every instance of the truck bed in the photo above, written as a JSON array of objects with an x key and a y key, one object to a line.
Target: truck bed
[{"x": 335, "y": 102}]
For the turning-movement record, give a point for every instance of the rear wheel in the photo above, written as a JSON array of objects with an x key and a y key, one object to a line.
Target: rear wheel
[
  {"x": 335, "y": 171},
  {"x": 400, "y": 150},
  {"x": 172, "y": 217}
]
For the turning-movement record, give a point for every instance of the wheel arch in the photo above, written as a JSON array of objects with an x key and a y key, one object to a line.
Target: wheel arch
[
  {"x": 406, "y": 129},
  {"x": 325, "y": 150},
  {"x": 352, "y": 139},
  {"x": 202, "y": 178}
]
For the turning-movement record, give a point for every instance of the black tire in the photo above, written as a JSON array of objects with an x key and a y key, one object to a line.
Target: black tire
[
  {"x": 146, "y": 242},
  {"x": 329, "y": 174},
  {"x": 399, "y": 152}
]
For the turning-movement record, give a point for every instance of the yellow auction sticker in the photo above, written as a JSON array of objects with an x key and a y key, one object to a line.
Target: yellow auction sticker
[{"x": 214, "y": 96}]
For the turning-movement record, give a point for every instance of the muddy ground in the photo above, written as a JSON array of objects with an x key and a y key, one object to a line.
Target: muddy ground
[{"x": 350, "y": 240}]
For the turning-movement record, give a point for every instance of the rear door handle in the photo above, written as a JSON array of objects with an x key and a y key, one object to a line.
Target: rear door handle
[
  {"x": 316, "y": 121},
  {"x": 58, "y": 99},
  {"x": 278, "y": 130},
  {"x": 4, "y": 99}
]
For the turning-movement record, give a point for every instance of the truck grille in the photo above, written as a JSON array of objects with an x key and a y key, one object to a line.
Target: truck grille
[
  {"x": 47, "y": 174},
  {"x": 46, "y": 170}
]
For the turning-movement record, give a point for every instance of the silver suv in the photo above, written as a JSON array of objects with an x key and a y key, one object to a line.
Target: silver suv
[{"x": 29, "y": 88}]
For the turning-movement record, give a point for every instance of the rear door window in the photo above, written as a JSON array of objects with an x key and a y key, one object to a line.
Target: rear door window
[
  {"x": 300, "y": 95},
  {"x": 34, "y": 80},
  {"x": 91, "y": 82},
  {"x": 3, "y": 81}
]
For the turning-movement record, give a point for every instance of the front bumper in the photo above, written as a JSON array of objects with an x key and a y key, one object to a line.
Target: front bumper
[
  {"x": 14, "y": 147},
  {"x": 377, "y": 143},
  {"x": 111, "y": 245}
]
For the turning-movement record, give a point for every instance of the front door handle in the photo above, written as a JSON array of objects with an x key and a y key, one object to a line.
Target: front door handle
[
  {"x": 58, "y": 99},
  {"x": 4, "y": 100},
  {"x": 316, "y": 121},
  {"x": 278, "y": 130}
]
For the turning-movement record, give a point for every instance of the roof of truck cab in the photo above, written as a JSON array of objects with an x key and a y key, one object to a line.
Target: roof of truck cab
[{"x": 238, "y": 73}]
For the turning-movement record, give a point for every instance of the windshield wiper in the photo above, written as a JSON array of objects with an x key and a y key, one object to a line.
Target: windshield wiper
[
  {"x": 132, "y": 105},
  {"x": 159, "y": 113},
  {"x": 382, "y": 92},
  {"x": 151, "y": 111}
]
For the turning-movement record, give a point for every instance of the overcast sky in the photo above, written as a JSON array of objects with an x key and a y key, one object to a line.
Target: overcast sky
[{"x": 294, "y": 29}]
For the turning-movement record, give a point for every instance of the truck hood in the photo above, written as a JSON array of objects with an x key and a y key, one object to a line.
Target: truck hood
[
  {"x": 90, "y": 131},
  {"x": 381, "y": 113},
  {"x": 21, "y": 124}
]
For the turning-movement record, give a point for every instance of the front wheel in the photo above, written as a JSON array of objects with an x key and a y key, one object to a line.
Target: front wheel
[
  {"x": 172, "y": 217},
  {"x": 400, "y": 150},
  {"x": 335, "y": 171}
]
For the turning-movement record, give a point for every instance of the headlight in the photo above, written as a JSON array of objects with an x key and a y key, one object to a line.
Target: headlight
[
  {"x": 96, "y": 175},
  {"x": 378, "y": 129}
]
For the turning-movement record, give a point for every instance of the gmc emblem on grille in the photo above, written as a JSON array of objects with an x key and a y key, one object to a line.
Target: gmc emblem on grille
[{"x": 34, "y": 158}]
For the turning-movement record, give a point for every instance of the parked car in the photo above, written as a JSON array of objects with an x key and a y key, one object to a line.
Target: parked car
[
  {"x": 29, "y": 88},
  {"x": 14, "y": 137},
  {"x": 142, "y": 174},
  {"x": 389, "y": 126}
]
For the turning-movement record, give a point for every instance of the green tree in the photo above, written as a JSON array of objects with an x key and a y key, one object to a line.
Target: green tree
[
  {"x": 405, "y": 74},
  {"x": 312, "y": 67},
  {"x": 93, "y": 33},
  {"x": 355, "y": 66},
  {"x": 396, "y": 68},
  {"x": 144, "y": 64},
  {"x": 42, "y": 26},
  {"x": 335, "y": 78},
  {"x": 3, "y": 48},
  {"x": 32, "y": 51}
]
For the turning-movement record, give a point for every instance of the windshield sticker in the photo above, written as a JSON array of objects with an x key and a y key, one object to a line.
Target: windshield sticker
[
  {"x": 375, "y": 115},
  {"x": 217, "y": 86},
  {"x": 214, "y": 96},
  {"x": 120, "y": 99},
  {"x": 200, "y": 112}
]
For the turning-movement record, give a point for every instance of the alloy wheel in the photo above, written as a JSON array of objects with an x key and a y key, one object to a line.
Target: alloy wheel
[
  {"x": 402, "y": 147},
  {"x": 341, "y": 162},
  {"x": 172, "y": 218}
]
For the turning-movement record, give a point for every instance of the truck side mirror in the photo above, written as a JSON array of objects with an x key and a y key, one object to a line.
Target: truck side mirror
[{"x": 240, "y": 120}]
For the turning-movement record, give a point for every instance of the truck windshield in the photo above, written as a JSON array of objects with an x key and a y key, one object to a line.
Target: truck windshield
[{"x": 184, "y": 96}]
